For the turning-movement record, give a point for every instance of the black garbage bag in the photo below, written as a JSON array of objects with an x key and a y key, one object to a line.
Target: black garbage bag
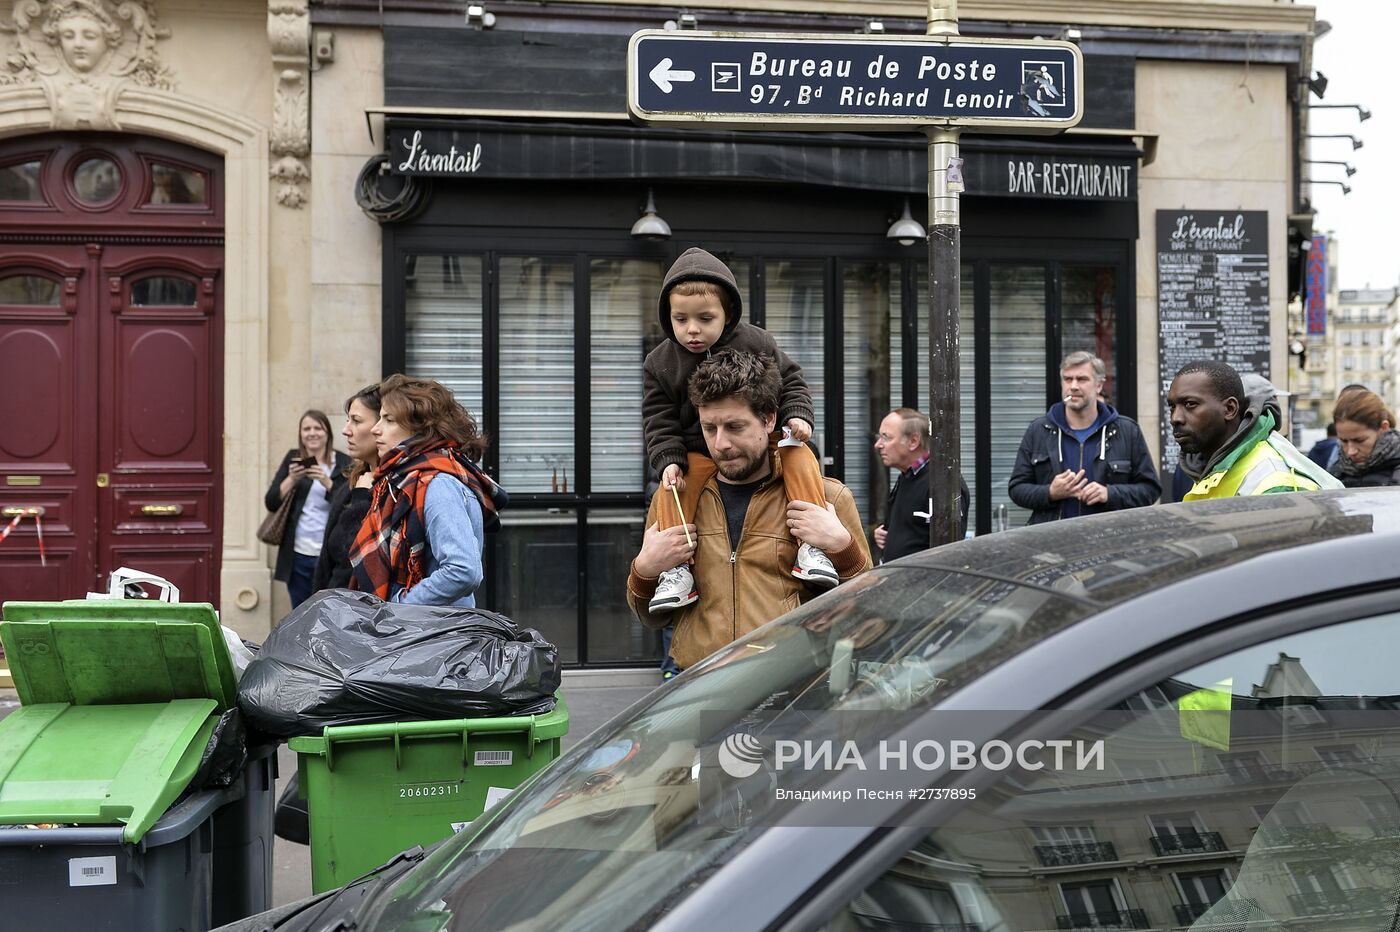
[
  {"x": 291, "y": 821},
  {"x": 225, "y": 754},
  {"x": 348, "y": 658}
]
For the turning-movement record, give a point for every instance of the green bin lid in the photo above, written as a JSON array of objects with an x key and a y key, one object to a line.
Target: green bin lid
[
  {"x": 100, "y": 764},
  {"x": 113, "y": 652}
]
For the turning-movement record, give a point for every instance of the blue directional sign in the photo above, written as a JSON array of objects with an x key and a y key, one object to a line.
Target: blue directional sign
[{"x": 822, "y": 81}]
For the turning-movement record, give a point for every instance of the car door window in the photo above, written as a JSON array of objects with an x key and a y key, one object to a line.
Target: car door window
[{"x": 1264, "y": 793}]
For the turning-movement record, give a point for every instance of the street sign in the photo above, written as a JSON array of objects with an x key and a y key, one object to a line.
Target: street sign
[{"x": 795, "y": 81}]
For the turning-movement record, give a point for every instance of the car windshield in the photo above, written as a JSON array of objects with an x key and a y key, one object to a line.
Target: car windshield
[{"x": 619, "y": 830}]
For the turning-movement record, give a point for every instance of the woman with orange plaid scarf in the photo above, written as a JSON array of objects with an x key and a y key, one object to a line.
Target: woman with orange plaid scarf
[{"x": 431, "y": 505}]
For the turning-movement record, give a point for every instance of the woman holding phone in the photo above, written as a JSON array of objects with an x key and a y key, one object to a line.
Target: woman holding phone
[{"x": 309, "y": 473}]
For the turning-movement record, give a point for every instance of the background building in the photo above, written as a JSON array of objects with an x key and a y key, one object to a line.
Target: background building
[{"x": 316, "y": 257}]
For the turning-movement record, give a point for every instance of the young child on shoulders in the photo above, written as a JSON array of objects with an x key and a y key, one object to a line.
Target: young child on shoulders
[{"x": 701, "y": 312}]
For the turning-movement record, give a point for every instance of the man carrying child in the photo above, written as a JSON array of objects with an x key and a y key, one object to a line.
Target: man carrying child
[
  {"x": 701, "y": 313},
  {"x": 745, "y": 526}
]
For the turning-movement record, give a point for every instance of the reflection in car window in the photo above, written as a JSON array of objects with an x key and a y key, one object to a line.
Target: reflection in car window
[
  {"x": 618, "y": 830},
  {"x": 1266, "y": 797}
]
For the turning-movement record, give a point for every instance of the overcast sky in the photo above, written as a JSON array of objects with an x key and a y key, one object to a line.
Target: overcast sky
[{"x": 1360, "y": 61}]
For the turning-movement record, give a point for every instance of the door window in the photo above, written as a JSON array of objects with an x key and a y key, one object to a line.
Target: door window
[
  {"x": 20, "y": 182},
  {"x": 30, "y": 290},
  {"x": 1263, "y": 821}
]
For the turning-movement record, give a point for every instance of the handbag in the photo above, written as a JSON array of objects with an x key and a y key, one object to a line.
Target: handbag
[{"x": 274, "y": 526}]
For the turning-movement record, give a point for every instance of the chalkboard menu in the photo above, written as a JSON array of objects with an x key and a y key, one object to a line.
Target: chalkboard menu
[{"x": 1212, "y": 297}]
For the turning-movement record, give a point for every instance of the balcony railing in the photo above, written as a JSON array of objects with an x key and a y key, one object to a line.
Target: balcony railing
[
  {"x": 1187, "y": 913},
  {"x": 1118, "y": 919},
  {"x": 1330, "y": 902},
  {"x": 1078, "y": 853},
  {"x": 1302, "y": 835},
  {"x": 1188, "y": 843}
]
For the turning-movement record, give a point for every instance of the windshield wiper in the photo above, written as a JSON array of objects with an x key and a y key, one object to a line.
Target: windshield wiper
[{"x": 350, "y": 919}]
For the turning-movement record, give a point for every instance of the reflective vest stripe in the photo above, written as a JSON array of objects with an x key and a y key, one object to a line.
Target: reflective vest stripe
[{"x": 1261, "y": 471}]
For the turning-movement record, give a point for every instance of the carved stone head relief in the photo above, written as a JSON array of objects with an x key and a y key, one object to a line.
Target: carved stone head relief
[{"x": 83, "y": 53}]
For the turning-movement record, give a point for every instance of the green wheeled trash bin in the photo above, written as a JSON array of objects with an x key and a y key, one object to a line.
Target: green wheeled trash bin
[
  {"x": 97, "y": 827},
  {"x": 373, "y": 791}
]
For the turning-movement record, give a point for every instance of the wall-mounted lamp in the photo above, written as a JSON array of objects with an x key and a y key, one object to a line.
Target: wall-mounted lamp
[
  {"x": 478, "y": 16},
  {"x": 683, "y": 21},
  {"x": 649, "y": 226},
  {"x": 1346, "y": 188},
  {"x": 906, "y": 229},
  {"x": 1070, "y": 34},
  {"x": 1361, "y": 111},
  {"x": 1317, "y": 83},
  {"x": 1355, "y": 143},
  {"x": 1351, "y": 169},
  {"x": 874, "y": 27}
]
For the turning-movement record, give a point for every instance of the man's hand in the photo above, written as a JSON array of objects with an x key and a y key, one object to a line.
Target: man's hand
[
  {"x": 881, "y": 535},
  {"x": 1066, "y": 485},
  {"x": 663, "y": 550},
  {"x": 801, "y": 430},
  {"x": 1093, "y": 493},
  {"x": 818, "y": 526},
  {"x": 672, "y": 476}
]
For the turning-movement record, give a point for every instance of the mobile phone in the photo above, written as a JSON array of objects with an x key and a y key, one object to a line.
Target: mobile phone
[{"x": 308, "y": 462}]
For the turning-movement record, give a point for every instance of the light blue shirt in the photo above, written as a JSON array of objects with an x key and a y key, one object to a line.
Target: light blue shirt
[{"x": 452, "y": 557}]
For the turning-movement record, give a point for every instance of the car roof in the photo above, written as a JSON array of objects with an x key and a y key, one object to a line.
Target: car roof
[{"x": 1105, "y": 560}]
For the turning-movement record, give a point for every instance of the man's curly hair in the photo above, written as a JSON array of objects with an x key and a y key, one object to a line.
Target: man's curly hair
[{"x": 753, "y": 379}]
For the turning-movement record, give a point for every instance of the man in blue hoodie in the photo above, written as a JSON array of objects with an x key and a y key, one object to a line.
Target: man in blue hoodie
[{"x": 1082, "y": 457}]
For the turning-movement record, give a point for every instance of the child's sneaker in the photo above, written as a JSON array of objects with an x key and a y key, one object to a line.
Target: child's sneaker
[
  {"x": 675, "y": 589},
  {"x": 813, "y": 567}
]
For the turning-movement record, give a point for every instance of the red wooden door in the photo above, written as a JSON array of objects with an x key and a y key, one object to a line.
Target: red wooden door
[
  {"x": 48, "y": 367},
  {"x": 111, "y": 362}
]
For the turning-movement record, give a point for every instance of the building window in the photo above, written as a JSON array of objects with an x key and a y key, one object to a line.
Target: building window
[
  {"x": 1097, "y": 904},
  {"x": 624, "y": 327},
  {"x": 535, "y": 436},
  {"x": 1018, "y": 351},
  {"x": 1199, "y": 892}
]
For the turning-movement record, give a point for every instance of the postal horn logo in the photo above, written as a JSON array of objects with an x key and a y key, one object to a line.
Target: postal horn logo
[{"x": 740, "y": 755}]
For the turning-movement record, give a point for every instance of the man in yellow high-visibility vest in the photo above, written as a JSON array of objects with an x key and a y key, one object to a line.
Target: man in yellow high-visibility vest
[{"x": 1229, "y": 445}]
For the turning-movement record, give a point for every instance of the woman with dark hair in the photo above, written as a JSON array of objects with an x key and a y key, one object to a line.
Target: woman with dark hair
[
  {"x": 421, "y": 541},
  {"x": 1370, "y": 445},
  {"x": 350, "y": 501},
  {"x": 310, "y": 474}
]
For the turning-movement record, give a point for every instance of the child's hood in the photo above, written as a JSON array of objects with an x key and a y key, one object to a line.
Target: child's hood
[{"x": 695, "y": 264}]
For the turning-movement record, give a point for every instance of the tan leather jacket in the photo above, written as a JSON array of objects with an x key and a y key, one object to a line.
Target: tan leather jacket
[{"x": 746, "y": 587}]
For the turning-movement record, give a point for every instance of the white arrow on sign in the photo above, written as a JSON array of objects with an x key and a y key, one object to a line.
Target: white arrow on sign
[{"x": 662, "y": 75}]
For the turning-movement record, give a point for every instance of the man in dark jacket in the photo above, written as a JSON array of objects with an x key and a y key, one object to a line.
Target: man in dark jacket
[
  {"x": 1082, "y": 457},
  {"x": 903, "y": 445}
]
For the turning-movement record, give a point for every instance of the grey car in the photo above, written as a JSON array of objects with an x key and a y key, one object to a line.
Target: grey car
[{"x": 1181, "y": 716}]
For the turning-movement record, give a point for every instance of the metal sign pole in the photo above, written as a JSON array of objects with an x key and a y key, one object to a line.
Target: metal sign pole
[{"x": 944, "y": 291}]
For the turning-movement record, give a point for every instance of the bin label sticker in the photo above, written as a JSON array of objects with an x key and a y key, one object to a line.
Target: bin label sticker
[
  {"x": 429, "y": 790},
  {"x": 495, "y": 794},
  {"x": 495, "y": 758},
  {"x": 92, "y": 872},
  {"x": 458, "y": 826}
]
